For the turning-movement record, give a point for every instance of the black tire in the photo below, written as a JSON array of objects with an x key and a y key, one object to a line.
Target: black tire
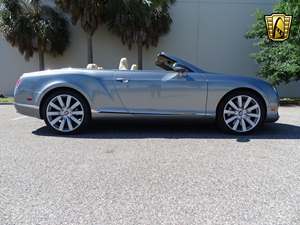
[
  {"x": 85, "y": 107},
  {"x": 221, "y": 117}
]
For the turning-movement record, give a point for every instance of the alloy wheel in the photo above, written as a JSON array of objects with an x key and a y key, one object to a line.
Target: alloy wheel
[
  {"x": 65, "y": 113},
  {"x": 242, "y": 113}
]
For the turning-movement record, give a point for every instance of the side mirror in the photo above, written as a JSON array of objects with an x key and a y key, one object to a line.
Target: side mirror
[{"x": 180, "y": 70}]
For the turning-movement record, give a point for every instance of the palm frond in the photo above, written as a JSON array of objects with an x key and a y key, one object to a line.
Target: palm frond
[
  {"x": 88, "y": 12},
  {"x": 31, "y": 27},
  {"x": 139, "y": 20}
]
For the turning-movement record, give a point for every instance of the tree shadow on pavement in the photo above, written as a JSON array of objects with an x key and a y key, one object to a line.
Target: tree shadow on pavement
[{"x": 120, "y": 128}]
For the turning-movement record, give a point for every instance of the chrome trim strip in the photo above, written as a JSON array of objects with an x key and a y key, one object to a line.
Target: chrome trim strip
[
  {"x": 111, "y": 111},
  {"x": 151, "y": 113}
]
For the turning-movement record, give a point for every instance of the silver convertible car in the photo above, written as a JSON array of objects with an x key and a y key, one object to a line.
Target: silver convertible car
[{"x": 67, "y": 99}]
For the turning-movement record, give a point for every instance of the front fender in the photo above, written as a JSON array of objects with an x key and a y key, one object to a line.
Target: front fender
[{"x": 219, "y": 86}]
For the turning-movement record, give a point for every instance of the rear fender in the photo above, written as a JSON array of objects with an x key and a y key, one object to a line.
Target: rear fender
[{"x": 62, "y": 84}]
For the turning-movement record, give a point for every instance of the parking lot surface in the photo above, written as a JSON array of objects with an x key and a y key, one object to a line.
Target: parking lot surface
[{"x": 155, "y": 171}]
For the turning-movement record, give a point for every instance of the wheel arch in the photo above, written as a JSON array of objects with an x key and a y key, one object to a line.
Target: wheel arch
[
  {"x": 60, "y": 88},
  {"x": 243, "y": 89}
]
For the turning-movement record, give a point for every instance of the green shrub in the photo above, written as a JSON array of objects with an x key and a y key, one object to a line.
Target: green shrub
[{"x": 279, "y": 61}]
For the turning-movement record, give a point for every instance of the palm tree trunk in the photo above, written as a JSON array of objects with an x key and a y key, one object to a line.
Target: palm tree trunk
[
  {"x": 140, "y": 55},
  {"x": 41, "y": 60},
  {"x": 90, "y": 49}
]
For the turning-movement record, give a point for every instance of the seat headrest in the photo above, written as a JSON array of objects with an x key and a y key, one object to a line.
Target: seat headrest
[
  {"x": 123, "y": 64},
  {"x": 134, "y": 67},
  {"x": 94, "y": 67}
]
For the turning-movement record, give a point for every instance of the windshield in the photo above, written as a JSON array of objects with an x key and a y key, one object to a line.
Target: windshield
[{"x": 167, "y": 63}]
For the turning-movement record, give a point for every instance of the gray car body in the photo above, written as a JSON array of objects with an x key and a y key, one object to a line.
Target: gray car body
[{"x": 197, "y": 93}]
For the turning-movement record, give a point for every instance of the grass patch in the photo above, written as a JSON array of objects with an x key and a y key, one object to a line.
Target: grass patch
[
  {"x": 290, "y": 101},
  {"x": 7, "y": 100}
]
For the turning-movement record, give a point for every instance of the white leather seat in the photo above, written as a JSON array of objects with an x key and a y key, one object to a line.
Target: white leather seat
[
  {"x": 134, "y": 67},
  {"x": 94, "y": 67},
  {"x": 123, "y": 64}
]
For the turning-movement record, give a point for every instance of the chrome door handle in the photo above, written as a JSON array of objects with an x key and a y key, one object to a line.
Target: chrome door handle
[{"x": 123, "y": 80}]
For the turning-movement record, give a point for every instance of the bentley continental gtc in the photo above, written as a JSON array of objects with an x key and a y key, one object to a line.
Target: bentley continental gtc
[{"x": 68, "y": 99}]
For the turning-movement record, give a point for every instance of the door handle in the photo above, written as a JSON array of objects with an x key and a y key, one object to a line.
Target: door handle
[{"x": 123, "y": 80}]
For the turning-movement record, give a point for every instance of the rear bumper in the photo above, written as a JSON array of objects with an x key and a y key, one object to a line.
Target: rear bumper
[{"x": 28, "y": 110}]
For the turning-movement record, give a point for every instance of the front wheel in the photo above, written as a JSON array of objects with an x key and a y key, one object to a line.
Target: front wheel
[
  {"x": 241, "y": 113},
  {"x": 66, "y": 112}
]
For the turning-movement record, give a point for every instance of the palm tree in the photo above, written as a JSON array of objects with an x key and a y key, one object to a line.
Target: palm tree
[
  {"x": 90, "y": 15},
  {"x": 33, "y": 27},
  {"x": 139, "y": 22}
]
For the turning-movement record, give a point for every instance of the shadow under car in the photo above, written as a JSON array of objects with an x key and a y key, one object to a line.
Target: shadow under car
[{"x": 139, "y": 128}]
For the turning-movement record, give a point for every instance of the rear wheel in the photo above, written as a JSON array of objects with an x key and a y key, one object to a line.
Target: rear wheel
[
  {"x": 241, "y": 112},
  {"x": 66, "y": 112}
]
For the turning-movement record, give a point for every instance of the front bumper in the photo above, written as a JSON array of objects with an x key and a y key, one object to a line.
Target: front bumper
[
  {"x": 272, "y": 117},
  {"x": 28, "y": 110},
  {"x": 272, "y": 111}
]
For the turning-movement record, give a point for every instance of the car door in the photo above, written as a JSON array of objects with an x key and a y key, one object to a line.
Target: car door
[
  {"x": 134, "y": 89},
  {"x": 181, "y": 94},
  {"x": 161, "y": 92}
]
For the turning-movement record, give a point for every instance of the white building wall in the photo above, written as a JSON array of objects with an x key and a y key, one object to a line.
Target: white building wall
[{"x": 208, "y": 33}]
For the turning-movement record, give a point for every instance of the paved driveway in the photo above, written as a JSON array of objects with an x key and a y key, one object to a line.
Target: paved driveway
[{"x": 149, "y": 172}]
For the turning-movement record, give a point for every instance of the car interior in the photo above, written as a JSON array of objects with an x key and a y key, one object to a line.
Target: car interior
[{"x": 122, "y": 66}]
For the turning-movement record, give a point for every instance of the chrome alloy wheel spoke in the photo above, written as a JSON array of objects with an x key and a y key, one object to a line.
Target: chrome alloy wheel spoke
[
  {"x": 229, "y": 112},
  {"x": 242, "y": 113},
  {"x": 236, "y": 123},
  {"x": 253, "y": 115},
  {"x": 53, "y": 122},
  {"x": 240, "y": 101},
  {"x": 249, "y": 121},
  {"x": 244, "y": 128},
  {"x": 247, "y": 102},
  {"x": 252, "y": 108},
  {"x": 62, "y": 124},
  {"x": 233, "y": 105},
  {"x": 69, "y": 98},
  {"x": 77, "y": 113},
  {"x": 55, "y": 106},
  {"x": 61, "y": 103},
  {"x": 74, "y": 105},
  {"x": 65, "y": 113},
  {"x": 70, "y": 126},
  {"x": 53, "y": 114},
  {"x": 75, "y": 120},
  {"x": 231, "y": 119}
]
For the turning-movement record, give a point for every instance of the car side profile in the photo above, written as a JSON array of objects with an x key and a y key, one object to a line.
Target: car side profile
[{"x": 68, "y": 99}]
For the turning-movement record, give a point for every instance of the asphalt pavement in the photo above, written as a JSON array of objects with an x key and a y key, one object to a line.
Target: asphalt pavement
[{"x": 149, "y": 171}]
